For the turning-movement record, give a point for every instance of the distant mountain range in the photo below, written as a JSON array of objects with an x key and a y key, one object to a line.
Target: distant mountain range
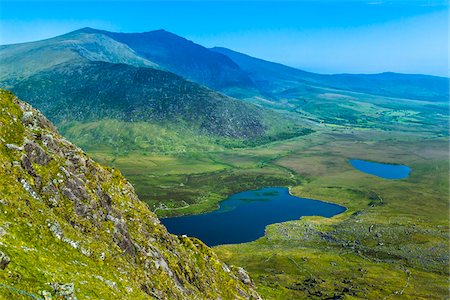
[
  {"x": 275, "y": 79},
  {"x": 218, "y": 68},
  {"x": 158, "y": 77}
]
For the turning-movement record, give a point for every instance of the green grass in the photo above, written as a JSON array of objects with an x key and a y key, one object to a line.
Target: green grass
[
  {"x": 392, "y": 242},
  {"x": 409, "y": 220},
  {"x": 337, "y": 256}
]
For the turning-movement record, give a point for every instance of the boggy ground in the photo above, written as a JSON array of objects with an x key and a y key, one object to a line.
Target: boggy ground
[{"x": 392, "y": 242}]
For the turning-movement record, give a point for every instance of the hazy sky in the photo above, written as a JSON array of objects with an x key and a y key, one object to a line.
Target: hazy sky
[{"x": 334, "y": 36}]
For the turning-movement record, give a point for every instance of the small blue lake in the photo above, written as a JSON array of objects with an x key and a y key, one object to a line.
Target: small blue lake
[
  {"x": 243, "y": 216},
  {"x": 387, "y": 171}
]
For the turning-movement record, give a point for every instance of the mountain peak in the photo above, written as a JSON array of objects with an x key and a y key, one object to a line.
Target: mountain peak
[
  {"x": 87, "y": 30},
  {"x": 184, "y": 57}
]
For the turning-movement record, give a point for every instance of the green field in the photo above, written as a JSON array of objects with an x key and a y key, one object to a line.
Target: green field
[{"x": 393, "y": 240}]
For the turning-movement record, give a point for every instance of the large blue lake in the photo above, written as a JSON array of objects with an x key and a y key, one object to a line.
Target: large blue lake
[
  {"x": 387, "y": 171},
  {"x": 243, "y": 216}
]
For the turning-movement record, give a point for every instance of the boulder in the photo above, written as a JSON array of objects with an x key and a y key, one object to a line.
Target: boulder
[{"x": 4, "y": 260}]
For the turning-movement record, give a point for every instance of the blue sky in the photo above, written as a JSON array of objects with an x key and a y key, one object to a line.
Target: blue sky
[{"x": 334, "y": 36}]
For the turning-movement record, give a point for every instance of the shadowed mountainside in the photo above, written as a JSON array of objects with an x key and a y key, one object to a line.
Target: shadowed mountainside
[{"x": 86, "y": 91}]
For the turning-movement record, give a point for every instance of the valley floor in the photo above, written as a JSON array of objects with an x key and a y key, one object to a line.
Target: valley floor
[{"x": 392, "y": 242}]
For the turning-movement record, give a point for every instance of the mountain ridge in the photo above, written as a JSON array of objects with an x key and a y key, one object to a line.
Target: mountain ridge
[
  {"x": 183, "y": 57},
  {"x": 219, "y": 68},
  {"x": 270, "y": 76},
  {"x": 120, "y": 91}
]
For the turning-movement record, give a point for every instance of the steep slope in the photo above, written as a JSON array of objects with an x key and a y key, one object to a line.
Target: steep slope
[
  {"x": 70, "y": 227},
  {"x": 184, "y": 57},
  {"x": 87, "y": 91},
  {"x": 19, "y": 61},
  {"x": 87, "y": 76},
  {"x": 274, "y": 79}
]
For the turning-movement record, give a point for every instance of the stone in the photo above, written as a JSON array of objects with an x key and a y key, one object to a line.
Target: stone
[
  {"x": 4, "y": 260},
  {"x": 243, "y": 276},
  {"x": 27, "y": 165},
  {"x": 46, "y": 294},
  {"x": 14, "y": 147},
  {"x": 77, "y": 187},
  {"x": 64, "y": 291},
  {"x": 36, "y": 154},
  {"x": 29, "y": 189},
  {"x": 27, "y": 118}
]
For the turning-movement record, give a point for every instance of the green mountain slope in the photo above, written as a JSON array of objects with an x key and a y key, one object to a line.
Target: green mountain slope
[
  {"x": 275, "y": 80},
  {"x": 185, "y": 58},
  {"x": 19, "y": 61},
  {"x": 79, "y": 93},
  {"x": 98, "y": 90},
  {"x": 72, "y": 228}
]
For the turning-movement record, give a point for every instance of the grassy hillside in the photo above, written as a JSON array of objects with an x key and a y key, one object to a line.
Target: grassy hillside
[{"x": 72, "y": 228}]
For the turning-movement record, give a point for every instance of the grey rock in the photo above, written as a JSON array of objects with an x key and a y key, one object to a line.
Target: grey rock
[
  {"x": 14, "y": 147},
  {"x": 69, "y": 194},
  {"x": 28, "y": 118},
  {"x": 27, "y": 165},
  {"x": 56, "y": 230},
  {"x": 4, "y": 260},
  {"x": 29, "y": 189},
  {"x": 36, "y": 154},
  {"x": 46, "y": 294},
  {"x": 123, "y": 239},
  {"x": 243, "y": 276},
  {"x": 52, "y": 193},
  {"x": 77, "y": 187},
  {"x": 64, "y": 291}
]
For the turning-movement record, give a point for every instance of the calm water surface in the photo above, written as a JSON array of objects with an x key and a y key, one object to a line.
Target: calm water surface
[
  {"x": 243, "y": 216},
  {"x": 387, "y": 171}
]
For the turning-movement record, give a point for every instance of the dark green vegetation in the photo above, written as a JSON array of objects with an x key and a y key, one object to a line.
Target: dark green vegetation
[
  {"x": 93, "y": 88},
  {"x": 92, "y": 91},
  {"x": 70, "y": 227}
]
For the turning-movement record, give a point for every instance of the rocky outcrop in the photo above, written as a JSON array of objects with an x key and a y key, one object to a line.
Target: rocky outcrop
[
  {"x": 4, "y": 260},
  {"x": 85, "y": 226}
]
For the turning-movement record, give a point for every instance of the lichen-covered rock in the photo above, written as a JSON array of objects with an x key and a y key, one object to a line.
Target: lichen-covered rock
[{"x": 86, "y": 226}]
